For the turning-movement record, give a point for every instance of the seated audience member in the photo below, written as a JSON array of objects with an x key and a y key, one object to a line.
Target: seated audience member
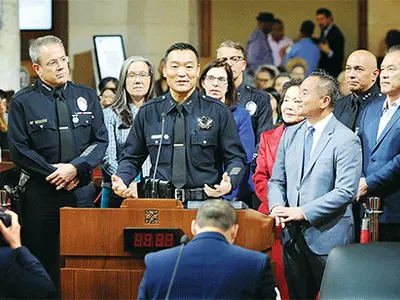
[
  {"x": 21, "y": 275},
  {"x": 265, "y": 162},
  {"x": 4, "y": 105},
  {"x": 107, "y": 97},
  {"x": 274, "y": 100},
  {"x": 265, "y": 76},
  {"x": 344, "y": 89},
  {"x": 161, "y": 86},
  {"x": 297, "y": 68},
  {"x": 3, "y": 120},
  {"x": 108, "y": 83},
  {"x": 280, "y": 80},
  {"x": 210, "y": 266},
  {"x": 278, "y": 41},
  {"x": 217, "y": 81},
  {"x": 305, "y": 48},
  {"x": 135, "y": 87}
]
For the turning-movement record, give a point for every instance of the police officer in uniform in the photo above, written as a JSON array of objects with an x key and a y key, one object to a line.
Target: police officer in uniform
[
  {"x": 198, "y": 135},
  {"x": 57, "y": 135}
]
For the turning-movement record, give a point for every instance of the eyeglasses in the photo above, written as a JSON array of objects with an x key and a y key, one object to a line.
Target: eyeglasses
[
  {"x": 142, "y": 75},
  {"x": 54, "y": 63},
  {"x": 220, "y": 80},
  {"x": 232, "y": 59}
]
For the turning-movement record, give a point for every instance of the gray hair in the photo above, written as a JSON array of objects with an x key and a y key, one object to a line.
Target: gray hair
[
  {"x": 216, "y": 213},
  {"x": 394, "y": 48},
  {"x": 122, "y": 98},
  {"x": 36, "y": 45},
  {"x": 328, "y": 86}
]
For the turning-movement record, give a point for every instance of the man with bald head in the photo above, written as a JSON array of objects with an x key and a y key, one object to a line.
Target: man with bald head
[{"x": 361, "y": 75}]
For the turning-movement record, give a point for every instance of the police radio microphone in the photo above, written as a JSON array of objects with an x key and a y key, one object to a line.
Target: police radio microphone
[
  {"x": 184, "y": 241},
  {"x": 153, "y": 188}
]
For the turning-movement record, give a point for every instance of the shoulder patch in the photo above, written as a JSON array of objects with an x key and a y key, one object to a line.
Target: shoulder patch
[
  {"x": 26, "y": 90},
  {"x": 80, "y": 85},
  {"x": 212, "y": 100},
  {"x": 154, "y": 101}
]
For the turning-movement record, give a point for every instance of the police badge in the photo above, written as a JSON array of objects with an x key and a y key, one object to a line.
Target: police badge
[{"x": 205, "y": 123}]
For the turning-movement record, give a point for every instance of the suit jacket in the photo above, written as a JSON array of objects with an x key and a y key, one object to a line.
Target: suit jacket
[
  {"x": 22, "y": 276},
  {"x": 265, "y": 162},
  {"x": 381, "y": 166},
  {"x": 210, "y": 268},
  {"x": 327, "y": 187},
  {"x": 334, "y": 64}
]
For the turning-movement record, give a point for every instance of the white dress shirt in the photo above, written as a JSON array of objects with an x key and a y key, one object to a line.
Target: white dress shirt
[
  {"x": 277, "y": 46},
  {"x": 387, "y": 114},
  {"x": 319, "y": 128}
]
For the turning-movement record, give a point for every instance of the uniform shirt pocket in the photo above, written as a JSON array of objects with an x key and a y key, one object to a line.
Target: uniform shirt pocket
[
  {"x": 203, "y": 144},
  {"x": 43, "y": 133},
  {"x": 83, "y": 125},
  {"x": 153, "y": 142}
]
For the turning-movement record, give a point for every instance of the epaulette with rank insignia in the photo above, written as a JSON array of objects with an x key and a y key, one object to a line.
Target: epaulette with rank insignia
[{"x": 28, "y": 89}]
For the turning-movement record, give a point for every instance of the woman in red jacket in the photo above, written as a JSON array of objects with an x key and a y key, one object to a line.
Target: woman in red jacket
[{"x": 266, "y": 158}]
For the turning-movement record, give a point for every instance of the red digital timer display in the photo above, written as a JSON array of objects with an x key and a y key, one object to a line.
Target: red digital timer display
[{"x": 162, "y": 240}]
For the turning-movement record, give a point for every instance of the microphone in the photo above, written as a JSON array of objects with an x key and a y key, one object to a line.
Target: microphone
[
  {"x": 153, "y": 189},
  {"x": 184, "y": 241}
]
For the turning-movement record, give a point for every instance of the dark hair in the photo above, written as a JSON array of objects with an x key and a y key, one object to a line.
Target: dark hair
[
  {"x": 231, "y": 93},
  {"x": 392, "y": 38},
  {"x": 324, "y": 11},
  {"x": 181, "y": 46},
  {"x": 3, "y": 94},
  {"x": 266, "y": 69},
  {"x": 108, "y": 89},
  {"x": 234, "y": 45},
  {"x": 277, "y": 21},
  {"x": 106, "y": 80},
  {"x": 328, "y": 85},
  {"x": 216, "y": 213},
  {"x": 282, "y": 75},
  {"x": 307, "y": 28},
  {"x": 274, "y": 93},
  {"x": 288, "y": 85}
]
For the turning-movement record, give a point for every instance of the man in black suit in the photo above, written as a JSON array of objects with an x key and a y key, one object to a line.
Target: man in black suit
[
  {"x": 22, "y": 276},
  {"x": 331, "y": 43},
  {"x": 210, "y": 266}
]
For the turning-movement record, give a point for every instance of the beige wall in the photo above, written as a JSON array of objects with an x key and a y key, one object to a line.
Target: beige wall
[
  {"x": 236, "y": 19},
  {"x": 382, "y": 16}
]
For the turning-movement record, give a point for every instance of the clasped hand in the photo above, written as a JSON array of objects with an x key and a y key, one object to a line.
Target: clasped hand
[
  {"x": 120, "y": 188},
  {"x": 284, "y": 215},
  {"x": 64, "y": 177}
]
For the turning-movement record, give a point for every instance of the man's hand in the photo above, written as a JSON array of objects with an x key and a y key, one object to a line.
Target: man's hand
[
  {"x": 12, "y": 234},
  {"x": 73, "y": 184},
  {"x": 287, "y": 214},
  {"x": 220, "y": 189},
  {"x": 324, "y": 47},
  {"x": 120, "y": 188},
  {"x": 278, "y": 219},
  {"x": 362, "y": 189},
  {"x": 62, "y": 176}
]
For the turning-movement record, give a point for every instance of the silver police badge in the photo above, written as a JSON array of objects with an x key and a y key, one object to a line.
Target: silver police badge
[
  {"x": 251, "y": 107},
  {"x": 205, "y": 123},
  {"x": 82, "y": 104}
]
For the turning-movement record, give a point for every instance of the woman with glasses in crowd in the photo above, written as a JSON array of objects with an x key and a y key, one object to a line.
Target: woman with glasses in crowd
[
  {"x": 217, "y": 81},
  {"x": 135, "y": 87},
  {"x": 265, "y": 161}
]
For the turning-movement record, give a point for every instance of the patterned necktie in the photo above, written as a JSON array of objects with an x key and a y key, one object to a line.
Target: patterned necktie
[
  {"x": 64, "y": 124},
  {"x": 179, "y": 158},
  {"x": 308, "y": 147}
]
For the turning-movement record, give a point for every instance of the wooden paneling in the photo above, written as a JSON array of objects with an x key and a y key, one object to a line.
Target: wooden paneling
[
  {"x": 363, "y": 24},
  {"x": 205, "y": 27},
  {"x": 68, "y": 280}
]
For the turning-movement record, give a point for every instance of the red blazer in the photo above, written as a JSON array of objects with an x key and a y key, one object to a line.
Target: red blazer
[{"x": 265, "y": 161}]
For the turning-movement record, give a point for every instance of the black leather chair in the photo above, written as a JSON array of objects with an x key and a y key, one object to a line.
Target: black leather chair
[{"x": 362, "y": 271}]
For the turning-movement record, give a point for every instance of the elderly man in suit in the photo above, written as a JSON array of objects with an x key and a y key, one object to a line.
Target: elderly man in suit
[
  {"x": 314, "y": 179},
  {"x": 380, "y": 137},
  {"x": 210, "y": 266}
]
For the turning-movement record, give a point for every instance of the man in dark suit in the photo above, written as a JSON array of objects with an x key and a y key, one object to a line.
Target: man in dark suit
[
  {"x": 210, "y": 266},
  {"x": 380, "y": 137},
  {"x": 331, "y": 43},
  {"x": 21, "y": 275},
  {"x": 314, "y": 180}
]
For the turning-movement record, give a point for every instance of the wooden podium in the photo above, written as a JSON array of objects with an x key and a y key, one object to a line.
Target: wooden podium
[{"x": 94, "y": 264}]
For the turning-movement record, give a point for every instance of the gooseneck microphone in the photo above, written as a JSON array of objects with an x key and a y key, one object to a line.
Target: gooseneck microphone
[
  {"x": 153, "y": 188},
  {"x": 184, "y": 241}
]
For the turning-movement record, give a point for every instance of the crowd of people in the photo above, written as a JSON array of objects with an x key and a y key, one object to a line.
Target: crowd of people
[{"x": 289, "y": 144}]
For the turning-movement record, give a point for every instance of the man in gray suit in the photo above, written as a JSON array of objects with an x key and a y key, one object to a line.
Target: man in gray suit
[{"x": 314, "y": 179}]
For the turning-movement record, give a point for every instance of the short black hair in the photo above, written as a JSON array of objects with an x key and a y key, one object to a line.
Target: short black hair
[
  {"x": 392, "y": 38},
  {"x": 182, "y": 46},
  {"x": 277, "y": 21},
  {"x": 324, "y": 11},
  {"x": 105, "y": 80},
  {"x": 216, "y": 213},
  {"x": 307, "y": 28},
  {"x": 329, "y": 85},
  {"x": 3, "y": 94}
]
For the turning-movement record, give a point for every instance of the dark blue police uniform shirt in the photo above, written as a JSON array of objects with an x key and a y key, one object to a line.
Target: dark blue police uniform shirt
[
  {"x": 257, "y": 103},
  {"x": 207, "y": 150},
  {"x": 33, "y": 128}
]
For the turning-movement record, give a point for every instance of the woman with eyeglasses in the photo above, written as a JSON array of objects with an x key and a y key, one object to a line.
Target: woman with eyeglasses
[
  {"x": 217, "y": 81},
  {"x": 135, "y": 87}
]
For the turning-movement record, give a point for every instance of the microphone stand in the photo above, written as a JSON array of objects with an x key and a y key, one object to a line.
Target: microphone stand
[
  {"x": 153, "y": 189},
  {"x": 184, "y": 241}
]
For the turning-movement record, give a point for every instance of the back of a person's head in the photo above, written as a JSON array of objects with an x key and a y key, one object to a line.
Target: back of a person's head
[
  {"x": 392, "y": 38},
  {"x": 3, "y": 94},
  {"x": 216, "y": 213},
  {"x": 307, "y": 28}
]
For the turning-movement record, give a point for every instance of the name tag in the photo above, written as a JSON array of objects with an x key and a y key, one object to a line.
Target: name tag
[
  {"x": 156, "y": 136},
  {"x": 42, "y": 121}
]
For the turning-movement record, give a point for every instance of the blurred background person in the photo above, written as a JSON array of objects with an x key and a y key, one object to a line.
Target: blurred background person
[
  {"x": 217, "y": 81},
  {"x": 3, "y": 120},
  {"x": 108, "y": 83},
  {"x": 344, "y": 89},
  {"x": 136, "y": 84},
  {"x": 297, "y": 68},
  {"x": 107, "y": 97},
  {"x": 4, "y": 105},
  {"x": 161, "y": 86},
  {"x": 305, "y": 47},
  {"x": 275, "y": 100},
  {"x": 265, "y": 76},
  {"x": 265, "y": 162},
  {"x": 278, "y": 41},
  {"x": 280, "y": 80}
]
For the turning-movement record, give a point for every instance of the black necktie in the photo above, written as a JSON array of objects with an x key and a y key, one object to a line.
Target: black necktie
[
  {"x": 64, "y": 124},
  {"x": 179, "y": 159},
  {"x": 354, "y": 106}
]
